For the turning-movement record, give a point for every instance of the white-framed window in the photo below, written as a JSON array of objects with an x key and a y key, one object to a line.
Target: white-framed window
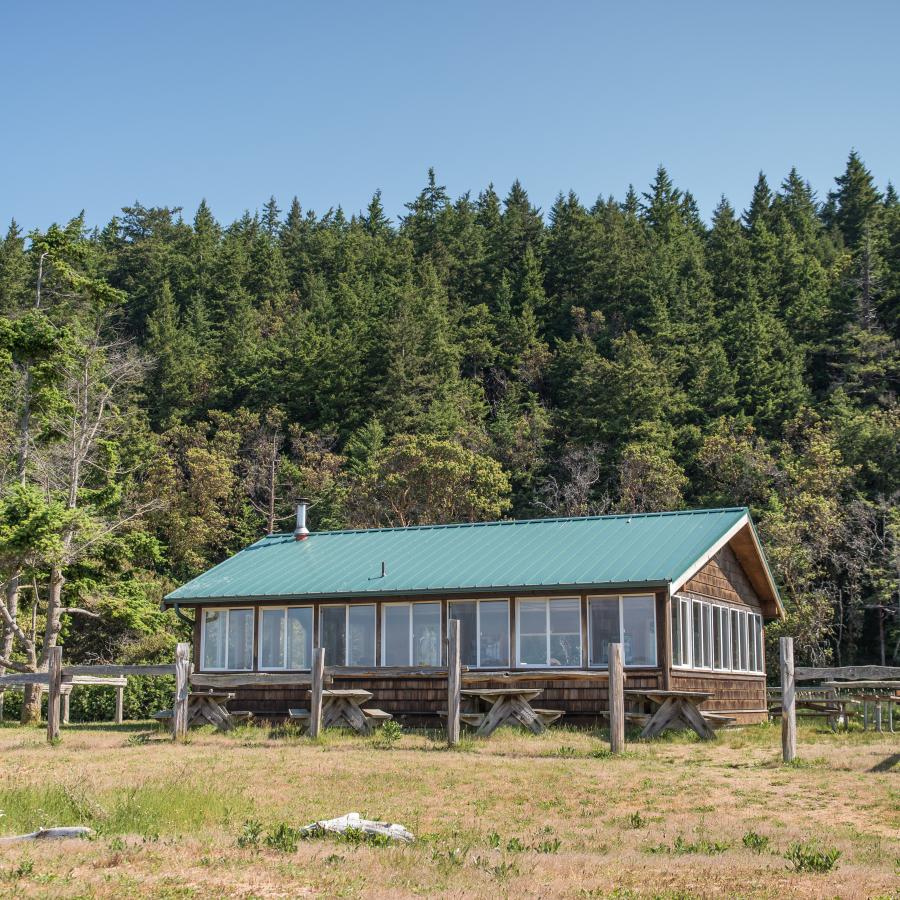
[
  {"x": 708, "y": 635},
  {"x": 347, "y": 633},
  {"x": 629, "y": 620},
  {"x": 285, "y": 637},
  {"x": 411, "y": 634},
  {"x": 226, "y": 639},
  {"x": 483, "y": 632},
  {"x": 548, "y": 632}
]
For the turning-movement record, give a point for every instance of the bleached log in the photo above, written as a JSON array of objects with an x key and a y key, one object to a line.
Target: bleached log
[
  {"x": 353, "y": 820},
  {"x": 50, "y": 834}
]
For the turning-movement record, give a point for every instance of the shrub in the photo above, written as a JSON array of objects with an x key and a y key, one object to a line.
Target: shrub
[
  {"x": 756, "y": 842},
  {"x": 250, "y": 834},
  {"x": 283, "y": 837},
  {"x": 389, "y": 734},
  {"x": 808, "y": 858}
]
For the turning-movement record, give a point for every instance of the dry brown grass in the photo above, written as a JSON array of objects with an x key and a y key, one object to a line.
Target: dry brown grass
[{"x": 169, "y": 816}]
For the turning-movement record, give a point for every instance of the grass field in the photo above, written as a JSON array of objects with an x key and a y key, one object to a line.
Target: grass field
[{"x": 513, "y": 816}]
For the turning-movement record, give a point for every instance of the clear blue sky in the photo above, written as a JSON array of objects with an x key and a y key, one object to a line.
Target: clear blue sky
[{"x": 168, "y": 102}]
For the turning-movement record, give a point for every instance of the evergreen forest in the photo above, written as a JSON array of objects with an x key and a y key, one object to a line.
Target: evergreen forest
[{"x": 171, "y": 383}]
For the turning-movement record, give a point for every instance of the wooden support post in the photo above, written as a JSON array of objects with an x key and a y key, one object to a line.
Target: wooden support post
[
  {"x": 454, "y": 682},
  {"x": 315, "y": 691},
  {"x": 120, "y": 704},
  {"x": 788, "y": 701},
  {"x": 182, "y": 683},
  {"x": 616, "y": 700},
  {"x": 2, "y": 696},
  {"x": 65, "y": 707},
  {"x": 54, "y": 684}
]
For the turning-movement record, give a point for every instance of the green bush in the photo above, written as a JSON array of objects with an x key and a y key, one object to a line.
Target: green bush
[
  {"x": 808, "y": 858},
  {"x": 756, "y": 842}
]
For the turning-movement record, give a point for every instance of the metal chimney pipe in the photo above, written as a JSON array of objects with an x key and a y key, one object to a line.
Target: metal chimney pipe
[{"x": 301, "y": 532}]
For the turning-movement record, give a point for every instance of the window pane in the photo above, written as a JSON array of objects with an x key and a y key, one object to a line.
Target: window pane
[
  {"x": 333, "y": 625},
  {"x": 604, "y": 625},
  {"x": 697, "y": 632},
  {"x": 707, "y": 636},
  {"x": 745, "y": 641},
  {"x": 565, "y": 632},
  {"x": 361, "y": 636},
  {"x": 760, "y": 648},
  {"x": 240, "y": 639},
  {"x": 726, "y": 638},
  {"x": 465, "y": 614},
  {"x": 639, "y": 630},
  {"x": 717, "y": 637},
  {"x": 214, "y": 639},
  {"x": 533, "y": 617},
  {"x": 676, "y": 633},
  {"x": 299, "y": 638},
  {"x": 494, "y": 634},
  {"x": 271, "y": 639},
  {"x": 532, "y": 632},
  {"x": 395, "y": 635},
  {"x": 751, "y": 641},
  {"x": 426, "y": 621},
  {"x": 736, "y": 659},
  {"x": 686, "y": 632}
]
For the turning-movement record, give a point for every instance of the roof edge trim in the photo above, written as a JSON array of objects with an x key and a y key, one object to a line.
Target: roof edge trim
[{"x": 474, "y": 592}]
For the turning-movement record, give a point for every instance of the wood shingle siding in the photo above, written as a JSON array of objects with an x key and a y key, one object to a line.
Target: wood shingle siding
[{"x": 723, "y": 578}]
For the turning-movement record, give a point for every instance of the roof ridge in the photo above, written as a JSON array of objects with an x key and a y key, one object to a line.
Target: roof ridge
[{"x": 496, "y": 522}]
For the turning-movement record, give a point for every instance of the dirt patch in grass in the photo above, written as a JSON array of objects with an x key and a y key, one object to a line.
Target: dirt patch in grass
[{"x": 515, "y": 815}]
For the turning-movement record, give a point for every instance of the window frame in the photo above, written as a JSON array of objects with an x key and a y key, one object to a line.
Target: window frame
[
  {"x": 750, "y": 632},
  {"x": 347, "y": 606},
  {"x": 478, "y": 602},
  {"x": 409, "y": 604},
  {"x": 259, "y": 649},
  {"x": 621, "y": 598},
  {"x": 547, "y": 601},
  {"x": 227, "y": 610}
]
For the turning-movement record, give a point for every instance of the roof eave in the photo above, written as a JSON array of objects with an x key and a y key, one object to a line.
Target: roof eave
[
  {"x": 745, "y": 522},
  {"x": 471, "y": 591}
]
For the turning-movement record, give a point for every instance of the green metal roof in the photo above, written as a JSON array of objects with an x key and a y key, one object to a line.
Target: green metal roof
[{"x": 650, "y": 549}]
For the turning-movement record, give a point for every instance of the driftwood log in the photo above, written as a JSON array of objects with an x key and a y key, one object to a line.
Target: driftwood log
[
  {"x": 50, "y": 834},
  {"x": 353, "y": 820}
]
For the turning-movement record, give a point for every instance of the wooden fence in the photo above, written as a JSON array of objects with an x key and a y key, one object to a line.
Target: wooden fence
[{"x": 59, "y": 680}]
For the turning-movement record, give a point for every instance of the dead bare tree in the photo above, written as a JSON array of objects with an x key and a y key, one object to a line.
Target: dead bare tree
[
  {"x": 569, "y": 492},
  {"x": 94, "y": 380}
]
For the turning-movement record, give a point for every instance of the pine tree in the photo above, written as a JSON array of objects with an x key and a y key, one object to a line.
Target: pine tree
[
  {"x": 14, "y": 271},
  {"x": 856, "y": 200},
  {"x": 760, "y": 203}
]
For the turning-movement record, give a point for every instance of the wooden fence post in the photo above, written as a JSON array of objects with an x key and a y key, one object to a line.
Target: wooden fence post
[
  {"x": 616, "y": 700},
  {"x": 454, "y": 682},
  {"x": 54, "y": 684},
  {"x": 120, "y": 704},
  {"x": 788, "y": 700},
  {"x": 182, "y": 689},
  {"x": 315, "y": 692},
  {"x": 65, "y": 706}
]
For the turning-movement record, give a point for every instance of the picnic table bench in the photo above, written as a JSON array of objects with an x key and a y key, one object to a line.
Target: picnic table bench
[
  {"x": 676, "y": 710},
  {"x": 343, "y": 708},
  {"x": 507, "y": 706},
  {"x": 209, "y": 708}
]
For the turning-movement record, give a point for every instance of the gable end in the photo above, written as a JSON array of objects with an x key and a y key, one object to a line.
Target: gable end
[{"x": 723, "y": 578}]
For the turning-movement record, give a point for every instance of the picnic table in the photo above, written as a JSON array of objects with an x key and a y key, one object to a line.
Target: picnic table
[
  {"x": 209, "y": 708},
  {"x": 508, "y": 706},
  {"x": 676, "y": 710},
  {"x": 874, "y": 693},
  {"x": 815, "y": 701},
  {"x": 343, "y": 708}
]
